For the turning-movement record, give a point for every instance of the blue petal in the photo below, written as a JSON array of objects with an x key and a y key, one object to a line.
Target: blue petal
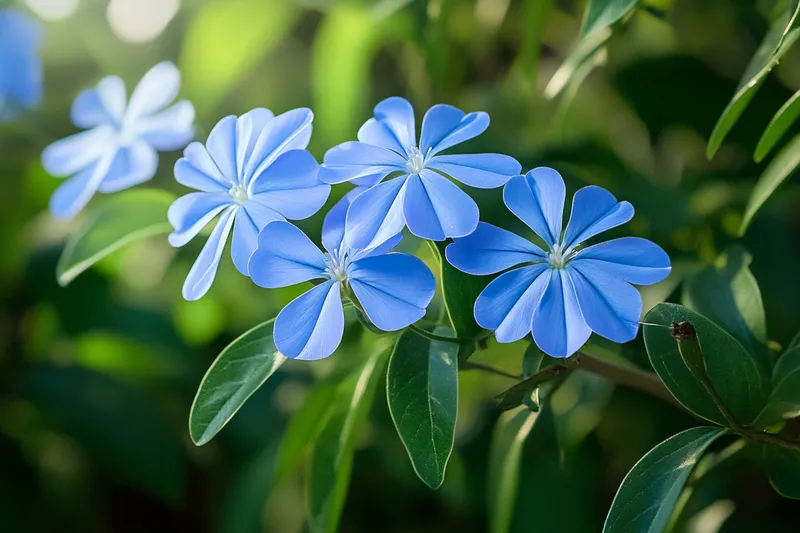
[
  {"x": 376, "y": 215},
  {"x": 610, "y": 306},
  {"x": 170, "y": 129},
  {"x": 380, "y": 249},
  {"x": 538, "y": 200},
  {"x": 157, "y": 89},
  {"x": 398, "y": 116},
  {"x": 594, "y": 210},
  {"x": 261, "y": 215},
  {"x": 378, "y": 134},
  {"x": 351, "y": 160},
  {"x": 394, "y": 289},
  {"x": 631, "y": 259},
  {"x": 559, "y": 329},
  {"x": 435, "y": 208},
  {"x": 202, "y": 273},
  {"x": 190, "y": 213},
  {"x": 72, "y": 195},
  {"x": 311, "y": 326},
  {"x": 221, "y": 145},
  {"x": 197, "y": 170},
  {"x": 245, "y": 239},
  {"x": 288, "y": 131},
  {"x": 103, "y": 104},
  {"x": 76, "y": 152},
  {"x": 248, "y": 130},
  {"x": 290, "y": 186},
  {"x": 507, "y": 304},
  {"x": 20, "y": 63},
  {"x": 484, "y": 171},
  {"x": 489, "y": 250},
  {"x": 334, "y": 223},
  {"x": 132, "y": 165},
  {"x": 445, "y": 126},
  {"x": 285, "y": 256}
]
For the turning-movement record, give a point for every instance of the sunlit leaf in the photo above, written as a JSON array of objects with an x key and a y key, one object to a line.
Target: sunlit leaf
[
  {"x": 782, "y": 121},
  {"x": 584, "y": 52},
  {"x": 603, "y": 13},
  {"x": 783, "y": 468}
]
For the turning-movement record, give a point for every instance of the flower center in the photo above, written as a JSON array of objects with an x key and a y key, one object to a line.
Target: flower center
[
  {"x": 559, "y": 256},
  {"x": 336, "y": 267},
  {"x": 239, "y": 194},
  {"x": 416, "y": 161}
]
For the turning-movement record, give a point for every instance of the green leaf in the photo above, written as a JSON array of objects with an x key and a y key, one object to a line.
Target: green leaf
[
  {"x": 459, "y": 291},
  {"x": 332, "y": 455},
  {"x": 242, "y": 367},
  {"x": 601, "y": 14},
  {"x": 784, "y": 400},
  {"x": 780, "y": 123},
  {"x": 121, "y": 219},
  {"x": 505, "y": 455},
  {"x": 783, "y": 469},
  {"x": 740, "y": 378},
  {"x": 536, "y": 12},
  {"x": 780, "y": 168},
  {"x": 422, "y": 391},
  {"x": 584, "y": 53},
  {"x": 780, "y": 38},
  {"x": 727, "y": 293},
  {"x": 649, "y": 492}
]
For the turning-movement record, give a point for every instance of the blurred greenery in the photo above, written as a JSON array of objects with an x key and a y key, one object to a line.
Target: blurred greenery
[{"x": 97, "y": 378}]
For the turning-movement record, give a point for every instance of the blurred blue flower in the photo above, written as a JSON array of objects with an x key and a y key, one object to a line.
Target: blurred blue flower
[
  {"x": 562, "y": 295},
  {"x": 20, "y": 64},
  {"x": 418, "y": 195},
  {"x": 393, "y": 289},
  {"x": 118, "y": 150},
  {"x": 252, "y": 170}
]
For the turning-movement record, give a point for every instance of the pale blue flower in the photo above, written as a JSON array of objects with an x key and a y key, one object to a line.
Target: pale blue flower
[
  {"x": 564, "y": 294},
  {"x": 393, "y": 289},
  {"x": 252, "y": 170},
  {"x": 20, "y": 64},
  {"x": 418, "y": 195},
  {"x": 119, "y": 148}
]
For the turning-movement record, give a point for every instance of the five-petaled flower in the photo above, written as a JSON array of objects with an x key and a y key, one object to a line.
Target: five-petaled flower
[
  {"x": 562, "y": 295},
  {"x": 419, "y": 196},
  {"x": 119, "y": 149},
  {"x": 253, "y": 170},
  {"x": 393, "y": 289},
  {"x": 20, "y": 64}
]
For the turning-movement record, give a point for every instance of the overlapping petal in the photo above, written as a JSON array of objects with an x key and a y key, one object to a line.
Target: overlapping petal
[
  {"x": 609, "y": 306},
  {"x": 131, "y": 165},
  {"x": 376, "y": 215},
  {"x": 202, "y": 273},
  {"x": 102, "y": 104},
  {"x": 288, "y": 131},
  {"x": 484, "y": 171},
  {"x": 290, "y": 186},
  {"x": 594, "y": 210},
  {"x": 436, "y": 208},
  {"x": 489, "y": 250},
  {"x": 221, "y": 145},
  {"x": 311, "y": 326},
  {"x": 334, "y": 223},
  {"x": 190, "y": 213},
  {"x": 72, "y": 154},
  {"x": 157, "y": 89},
  {"x": 73, "y": 195},
  {"x": 352, "y": 160},
  {"x": 445, "y": 126},
  {"x": 538, "y": 200},
  {"x": 559, "y": 328},
  {"x": 171, "y": 129},
  {"x": 398, "y": 116},
  {"x": 285, "y": 256},
  {"x": 630, "y": 259},
  {"x": 197, "y": 170}
]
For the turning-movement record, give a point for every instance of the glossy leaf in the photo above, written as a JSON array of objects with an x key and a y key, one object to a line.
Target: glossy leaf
[
  {"x": 123, "y": 218},
  {"x": 649, "y": 492},
  {"x": 780, "y": 123},
  {"x": 784, "y": 400},
  {"x": 779, "y": 169},
  {"x": 604, "y": 13},
  {"x": 505, "y": 455},
  {"x": 422, "y": 392},
  {"x": 239, "y": 370},
  {"x": 740, "y": 378},
  {"x": 332, "y": 455},
  {"x": 783, "y": 469}
]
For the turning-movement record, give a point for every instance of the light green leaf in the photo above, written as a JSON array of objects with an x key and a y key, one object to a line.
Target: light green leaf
[
  {"x": 584, "y": 53},
  {"x": 781, "y": 167},
  {"x": 784, "y": 401},
  {"x": 649, "y": 492},
  {"x": 780, "y": 38},
  {"x": 242, "y": 367},
  {"x": 783, "y": 469},
  {"x": 505, "y": 455},
  {"x": 783, "y": 119},
  {"x": 740, "y": 378},
  {"x": 332, "y": 455},
  {"x": 422, "y": 391},
  {"x": 123, "y": 218},
  {"x": 604, "y": 13}
]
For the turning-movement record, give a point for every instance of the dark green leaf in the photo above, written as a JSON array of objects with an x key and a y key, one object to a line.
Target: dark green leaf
[
  {"x": 601, "y": 14},
  {"x": 509, "y": 436},
  {"x": 784, "y": 401},
  {"x": 781, "y": 122},
  {"x": 125, "y": 217},
  {"x": 332, "y": 455},
  {"x": 242, "y": 367},
  {"x": 740, "y": 378},
  {"x": 244, "y": 500},
  {"x": 781, "y": 167},
  {"x": 422, "y": 391},
  {"x": 783, "y": 468},
  {"x": 649, "y": 492}
]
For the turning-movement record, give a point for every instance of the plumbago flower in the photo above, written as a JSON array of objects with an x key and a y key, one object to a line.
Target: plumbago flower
[
  {"x": 119, "y": 150},
  {"x": 419, "y": 196},
  {"x": 20, "y": 64},
  {"x": 253, "y": 170},
  {"x": 393, "y": 289},
  {"x": 562, "y": 295}
]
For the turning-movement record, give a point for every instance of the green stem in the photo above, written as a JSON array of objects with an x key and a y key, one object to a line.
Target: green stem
[
  {"x": 432, "y": 336},
  {"x": 469, "y": 365}
]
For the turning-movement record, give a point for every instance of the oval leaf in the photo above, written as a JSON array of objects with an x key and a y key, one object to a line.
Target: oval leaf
[
  {"x": 242, "y": 367},
  {"x": 649, "y": 492},
  {"x": 422, "y": 391},
  {"x": 740, "y": 378},
  {"x": 123, "y": 218},
  {"x": 784, "y": 401},
  {"x": 781, "y": 122},
  {"x": 783, "y": 469}
]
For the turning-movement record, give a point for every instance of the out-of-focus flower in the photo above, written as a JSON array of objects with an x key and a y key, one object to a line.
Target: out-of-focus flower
[
  {"x": 562, "y": 295},
  {"x": 253, "y": 170},
  {"x": 119, "y": 148},
  {"x": 419, "y": 195},
  {"x": 20, "y": 63}
]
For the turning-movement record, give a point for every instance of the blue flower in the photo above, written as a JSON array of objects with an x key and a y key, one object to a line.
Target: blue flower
[
  {"x": 252, "y": 170},
  {"x": 118, "y": 150},
  {"x": 562, "y": 295},
  {"x": 20, "y": 64},
  {"x": 393, "y": 289},
  {"x": 418, "y": 195}
]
